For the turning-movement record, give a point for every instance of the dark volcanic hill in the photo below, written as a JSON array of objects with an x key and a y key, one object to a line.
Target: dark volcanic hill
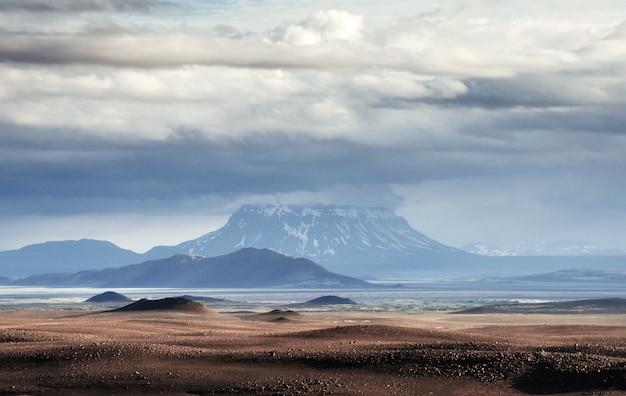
[
  {"x": 178, "y": 304},
  {"x": 109, "y": 296},
  {"x": 342, "y": 239},
  {"x": 246, "y": 268},
  {"x": 330, "y": 300}
]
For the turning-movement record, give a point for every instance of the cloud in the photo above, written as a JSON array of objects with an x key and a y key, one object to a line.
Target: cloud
[
  {"x": 81, "y": 6},
  {"x": 321, "y": 26},
  {"x": 156, "y": 50},
  {"x": 38, "y": 164},
  {"x": 537, "y": 91},
  {"x": 187, "y": 167},
  {"x": 329, "y": 40},
  {"x": 395, "y": 85},
  {"x": 467, "y": 117}
]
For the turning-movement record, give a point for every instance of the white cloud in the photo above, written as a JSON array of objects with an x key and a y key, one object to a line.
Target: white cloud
[
  {"x": 379, "y": 86},
  {"x": 321, "y": 26}
]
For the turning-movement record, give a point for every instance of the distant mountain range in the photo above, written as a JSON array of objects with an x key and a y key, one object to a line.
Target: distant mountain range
[
  {"x": 367, "y": 243},
  {"x": 245, "y": 268},
  {"x": 65, "y": 256},
  {"x": 568, "y": 276}
]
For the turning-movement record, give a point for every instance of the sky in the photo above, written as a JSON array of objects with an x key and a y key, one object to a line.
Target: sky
[{"x": 149, "y": 122}]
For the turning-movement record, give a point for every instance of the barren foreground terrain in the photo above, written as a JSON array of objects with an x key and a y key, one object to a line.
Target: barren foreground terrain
[{"x": 66, "y": 352}]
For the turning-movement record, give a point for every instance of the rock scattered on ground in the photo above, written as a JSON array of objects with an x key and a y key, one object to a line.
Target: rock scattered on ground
[{"x": 49, "y": 353}]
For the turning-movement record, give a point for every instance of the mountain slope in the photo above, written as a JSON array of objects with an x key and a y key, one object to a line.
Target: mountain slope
[
  {"x": 343, "y": 239},
  {"x": 246, "y": 268},
  {"x": 62, "y": 256}
]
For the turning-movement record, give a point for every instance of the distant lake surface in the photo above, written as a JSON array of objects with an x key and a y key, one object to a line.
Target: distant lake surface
[{"x": 410, "y": 296}]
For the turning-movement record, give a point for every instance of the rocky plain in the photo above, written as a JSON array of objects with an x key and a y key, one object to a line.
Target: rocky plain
[{"x": 190, "y": 349}]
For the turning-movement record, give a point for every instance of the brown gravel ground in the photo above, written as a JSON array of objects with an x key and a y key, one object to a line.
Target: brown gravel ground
[{"x": 47, "y": 352}]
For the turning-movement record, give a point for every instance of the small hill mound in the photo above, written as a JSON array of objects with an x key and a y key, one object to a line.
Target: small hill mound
[
  {"x": 107, "y": 297},
  {"x": 281, "y": 319},
  {"x": 176, "y": 304},
  {"x": 329, "y": 300},
  {"x": 205, "y": 299},
  {"x": 280, "y": 312},
  {"x": 276, "y": 316}
]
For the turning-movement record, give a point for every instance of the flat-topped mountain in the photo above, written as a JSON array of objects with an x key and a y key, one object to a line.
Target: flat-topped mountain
[
  {"x": 245, "y": 268},
  {"x": 343, "y": 239}
]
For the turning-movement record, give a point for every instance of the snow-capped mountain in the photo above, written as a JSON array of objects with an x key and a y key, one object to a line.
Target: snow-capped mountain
[
  {"x": 558, "y": 248},
  {"x": 343, "y": 239}
]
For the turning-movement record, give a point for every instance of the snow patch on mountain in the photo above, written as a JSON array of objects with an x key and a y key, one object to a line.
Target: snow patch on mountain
[{"x": 558, "y": 248}]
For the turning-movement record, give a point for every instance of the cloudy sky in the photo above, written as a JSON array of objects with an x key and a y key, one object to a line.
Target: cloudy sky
[{"x": 148, "y": 122}]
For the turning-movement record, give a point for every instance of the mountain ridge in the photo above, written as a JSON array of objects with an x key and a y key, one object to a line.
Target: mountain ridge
[
  {"x": 245, "y": 268},
  {"x": 65, "y": 256}
]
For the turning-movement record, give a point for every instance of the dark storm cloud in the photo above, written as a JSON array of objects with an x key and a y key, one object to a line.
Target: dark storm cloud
[
  {"x": 81, "y": 6},
  {"x": 534, "y": 91},
  {"x": 591, "y": 120},
  {"x": 124, "y": 48},
  {"x": 94, "y": 170}
]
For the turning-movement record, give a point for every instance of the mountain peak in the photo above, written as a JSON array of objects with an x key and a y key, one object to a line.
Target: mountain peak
[
  {"x": 338, "y": 237},
  {"x": 281, "y": 210}
]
